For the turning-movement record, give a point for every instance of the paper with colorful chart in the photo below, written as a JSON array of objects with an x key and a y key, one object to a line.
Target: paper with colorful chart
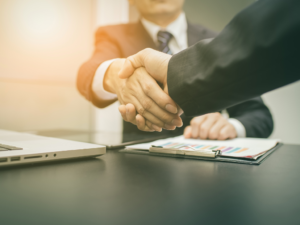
[{"x": 250, "y": 148}]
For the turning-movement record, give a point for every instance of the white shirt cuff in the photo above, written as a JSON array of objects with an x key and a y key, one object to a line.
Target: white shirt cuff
[
  {"x": 97, "y": 85},
  {"x": 239, "y": 127}
]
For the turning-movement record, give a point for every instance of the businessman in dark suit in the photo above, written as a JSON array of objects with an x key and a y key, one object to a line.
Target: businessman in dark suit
[{"x": 163, "y": 27}]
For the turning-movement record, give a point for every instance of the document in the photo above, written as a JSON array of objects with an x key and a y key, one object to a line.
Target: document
[{"x": 250, "y": 148}]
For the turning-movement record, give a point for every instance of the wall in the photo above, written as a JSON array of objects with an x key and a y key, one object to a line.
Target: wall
[
  {"x": 42, "y": 45},
  {"x": 284, "y": 102},
  {"x": 106, "y": 13}
]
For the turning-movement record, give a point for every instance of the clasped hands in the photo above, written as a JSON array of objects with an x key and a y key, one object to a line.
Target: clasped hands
[{"x": 140, "y": 82}]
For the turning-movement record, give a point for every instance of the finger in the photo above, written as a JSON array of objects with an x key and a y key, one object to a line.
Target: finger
[
  {"x": 206, "y": 125},
  {"x": 154, "y": 91},
  {"x": 156, "y": 128},
  {"x": 180, "y": 111},
  {"x": 152, "y": 126},
  {"x": 149, "y": 125},
  {"x": 131, "y": 117},
  {"x": 148, "y": 116},
  {"x": 216, "y": 128},
  {"x": 130, "y": 113},
  {"x": 147, "y": 108},
  {"x": 129, "y": 107},
  {"x": 155, "y": 62},
  {"x": 227, "y": 132},
  {"x": 196, "y": 123},
  {"x": 187, "y": 132},
  {"x": 131, "y": 63},
  {"x": 224, "y": 133},
  {"x": 169, "y": 127},
  {"x": 141, "y": 124},
  {"x": 122, "y": 110}
]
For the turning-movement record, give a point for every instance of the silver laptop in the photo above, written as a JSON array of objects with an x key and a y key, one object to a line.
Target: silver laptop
[{"x": 18, "y": 148}]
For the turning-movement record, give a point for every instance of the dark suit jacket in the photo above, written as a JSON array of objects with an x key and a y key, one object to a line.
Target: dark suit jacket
[
  {"x": 120, "y": 41},
  {"x": 256, "y": 52}
]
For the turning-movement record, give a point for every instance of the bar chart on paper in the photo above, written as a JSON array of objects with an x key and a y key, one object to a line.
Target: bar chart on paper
[
  {"x": 250, "y": 148},
  {"x": 196, "y": 147}
]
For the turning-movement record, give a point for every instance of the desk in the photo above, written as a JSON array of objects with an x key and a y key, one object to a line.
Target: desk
[{"x": 120, "y": 188}]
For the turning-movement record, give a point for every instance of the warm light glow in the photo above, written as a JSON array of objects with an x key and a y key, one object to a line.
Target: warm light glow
[
  {"x": 44, "y": 40},
  {"x": 37, "y": 19}
]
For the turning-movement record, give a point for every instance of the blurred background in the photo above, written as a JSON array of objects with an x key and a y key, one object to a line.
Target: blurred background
[{"x": 43, "y": 43}]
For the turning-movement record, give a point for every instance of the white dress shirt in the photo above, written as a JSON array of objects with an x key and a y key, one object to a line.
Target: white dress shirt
[{"x": 179, "y": 42}]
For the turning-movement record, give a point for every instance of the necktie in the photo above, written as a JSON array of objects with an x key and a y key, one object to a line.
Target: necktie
[{"x": 164, "y": 38}]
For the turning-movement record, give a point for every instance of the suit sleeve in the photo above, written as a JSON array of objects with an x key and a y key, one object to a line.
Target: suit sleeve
[
  {"x": 105, "y": 49},
  {"x": 255, "y": 116},
  {"x": 257, "y": 51}
]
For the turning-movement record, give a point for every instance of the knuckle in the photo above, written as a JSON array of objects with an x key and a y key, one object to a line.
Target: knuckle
[
  {"x": 147, "y": 88},
  {"x": 194, "y": 121},
  {"x": 141, "y": 111},
  {"x": 147, "y": 104},
  {"x": 204, "y": 128},
  {"x": 216, "y": 115}
]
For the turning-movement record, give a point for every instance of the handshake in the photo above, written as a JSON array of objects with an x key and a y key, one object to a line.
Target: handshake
[{"x": 140, "y": 82}]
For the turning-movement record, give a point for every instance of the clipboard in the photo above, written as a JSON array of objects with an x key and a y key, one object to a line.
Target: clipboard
[{"x": 213, "y": 156}]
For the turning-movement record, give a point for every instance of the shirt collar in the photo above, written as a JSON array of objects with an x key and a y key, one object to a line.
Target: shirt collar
[{"x": 177, "y": 28}]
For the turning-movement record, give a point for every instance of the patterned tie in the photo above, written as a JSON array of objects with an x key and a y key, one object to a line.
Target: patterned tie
[{"x": 164, "y": 38}]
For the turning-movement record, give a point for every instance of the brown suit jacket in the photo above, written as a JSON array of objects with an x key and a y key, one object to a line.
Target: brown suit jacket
[{"x": 121, "y": 41}]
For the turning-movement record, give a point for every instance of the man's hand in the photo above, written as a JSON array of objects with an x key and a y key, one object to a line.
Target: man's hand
[
  {"x": 210, "y": 126},
  {"x": 140, "y": 89},
  {"x": 128, "y": 113},
  {"x": 155, "y": 63}
]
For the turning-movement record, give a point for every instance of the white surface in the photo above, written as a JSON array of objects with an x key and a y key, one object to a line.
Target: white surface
[
  {"x": 34, "y": 144},
  {"x": 284, "y": 104}
]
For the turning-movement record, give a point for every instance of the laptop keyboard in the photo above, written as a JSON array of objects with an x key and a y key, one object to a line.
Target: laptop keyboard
[{"x": 9, "y": 147}]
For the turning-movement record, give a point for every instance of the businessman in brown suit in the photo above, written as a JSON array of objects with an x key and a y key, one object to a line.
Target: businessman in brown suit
[{"x": 163, "y": 26}]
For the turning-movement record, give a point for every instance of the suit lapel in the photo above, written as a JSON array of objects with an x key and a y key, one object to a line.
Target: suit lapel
[
  {"x": 194, "y": 34},
  {"x": 139, "y": 38}
]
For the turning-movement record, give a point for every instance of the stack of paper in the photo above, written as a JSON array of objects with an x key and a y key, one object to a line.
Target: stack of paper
[{"x": 250, "y": 148}]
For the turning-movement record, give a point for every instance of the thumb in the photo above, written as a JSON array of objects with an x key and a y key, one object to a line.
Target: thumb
[{"x": 131, "y": 64}]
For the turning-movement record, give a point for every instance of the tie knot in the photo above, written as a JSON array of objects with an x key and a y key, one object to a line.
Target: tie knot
[{"x": 164, "y": 37}]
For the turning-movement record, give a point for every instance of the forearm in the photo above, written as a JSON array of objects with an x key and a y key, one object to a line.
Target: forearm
[
  {"x": 111, "y": 79},
  {"x": 254, "y": 54},
  {"x": 105, "y": 82}
]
